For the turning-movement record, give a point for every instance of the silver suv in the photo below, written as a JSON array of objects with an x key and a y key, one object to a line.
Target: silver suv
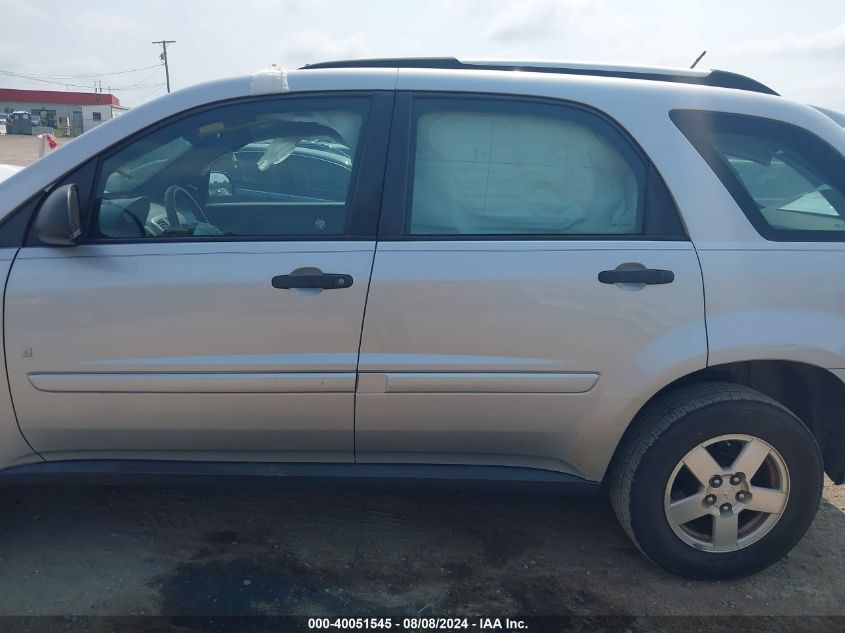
[{"x": 576, "y": 276}]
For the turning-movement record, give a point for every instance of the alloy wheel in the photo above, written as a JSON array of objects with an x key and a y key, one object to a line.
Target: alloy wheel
[{"x": 727, "y": 493}]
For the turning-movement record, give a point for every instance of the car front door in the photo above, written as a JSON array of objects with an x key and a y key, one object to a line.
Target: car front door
[
  {"x": 532, "y": 281},
  {"x": 187, "y": 326}
]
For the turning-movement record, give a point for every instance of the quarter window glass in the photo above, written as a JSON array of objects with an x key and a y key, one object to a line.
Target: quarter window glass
[
  {"x": 278, "y": 168},
  {"x": 788, "y": 182},
  {"x": 790, "y": 192},
  {"x": 511, "y": 168}
]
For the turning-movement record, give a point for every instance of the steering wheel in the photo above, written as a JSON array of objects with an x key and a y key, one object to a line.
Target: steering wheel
[{"x": 171, "y": 195}]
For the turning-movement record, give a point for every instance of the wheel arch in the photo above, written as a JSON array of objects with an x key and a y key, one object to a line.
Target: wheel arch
[{"x": 815, "y": 395}]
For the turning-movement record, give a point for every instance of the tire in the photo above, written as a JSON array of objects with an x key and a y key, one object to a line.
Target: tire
[{"x": 663, "y": 446}]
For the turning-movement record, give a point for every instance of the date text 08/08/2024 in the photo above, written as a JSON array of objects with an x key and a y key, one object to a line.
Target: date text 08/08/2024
[{"x": 447, "y": 624}]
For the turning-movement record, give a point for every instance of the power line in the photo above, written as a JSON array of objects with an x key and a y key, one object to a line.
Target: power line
[
  {"x": 142, "y": 82},
  {"x": 163, "y": 58},
  {"x": 151, "y": 93},
  {"x": 44, "y": 81},
  {"x": 136, "y": 86},
  {"x": 119, "y": 72},
  {"x": 61, "y": 79}
]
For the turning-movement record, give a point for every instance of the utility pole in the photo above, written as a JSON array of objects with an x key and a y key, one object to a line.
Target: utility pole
[{"x": 163, "y": 57}]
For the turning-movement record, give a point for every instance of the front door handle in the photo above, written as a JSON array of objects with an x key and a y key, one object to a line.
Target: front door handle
[
  {"x": 648, "y": 276},
  {"x": 322, "y": 281}
]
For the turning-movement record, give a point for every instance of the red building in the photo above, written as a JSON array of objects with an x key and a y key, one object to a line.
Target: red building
[{"x": 74, "y": 111}]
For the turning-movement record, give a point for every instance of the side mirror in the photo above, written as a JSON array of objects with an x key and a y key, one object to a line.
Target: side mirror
[
  {"x": 219, "y": 185},
  {"x": 58, "y": 222}
]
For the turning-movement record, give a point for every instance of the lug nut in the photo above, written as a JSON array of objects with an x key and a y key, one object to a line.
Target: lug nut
[
  {"x": 735, "y": 480},
  {"x": 743, "y": 496},
  {"x": 715, "y": 481},
  {"x": 725, "y": 507},
  {"x": 710, "y": 500}
]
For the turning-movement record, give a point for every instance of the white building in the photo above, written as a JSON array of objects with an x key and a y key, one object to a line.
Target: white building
[
  {"x": 73, "y": 112},
  {"x": 93, "y": 115}
]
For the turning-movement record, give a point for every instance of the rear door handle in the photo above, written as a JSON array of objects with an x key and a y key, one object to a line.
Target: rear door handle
[
  {"x": 648, "y": 276},
  {"x": 322, "y": 281}
]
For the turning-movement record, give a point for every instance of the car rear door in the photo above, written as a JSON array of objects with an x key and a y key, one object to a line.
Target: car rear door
[
  {"x": 234, "y": 335},
  {"x": 532, "y": 285}
]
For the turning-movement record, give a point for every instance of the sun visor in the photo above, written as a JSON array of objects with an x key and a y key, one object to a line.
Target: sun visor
[{"x": 331, "y": 127}]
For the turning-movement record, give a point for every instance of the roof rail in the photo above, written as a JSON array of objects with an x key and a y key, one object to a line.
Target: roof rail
[{"x": 714, "y": 78}]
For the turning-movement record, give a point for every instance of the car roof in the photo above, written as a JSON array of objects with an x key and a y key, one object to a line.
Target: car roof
[{"x": 838, "y": 117}]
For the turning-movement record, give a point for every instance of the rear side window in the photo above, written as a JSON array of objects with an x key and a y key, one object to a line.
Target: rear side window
[
  {"x": 498, "y": 167},
  {"x": 789, "y": 182}
]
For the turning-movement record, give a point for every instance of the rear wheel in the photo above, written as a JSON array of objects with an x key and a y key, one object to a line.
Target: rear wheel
[{"x": 716, "y": 481}]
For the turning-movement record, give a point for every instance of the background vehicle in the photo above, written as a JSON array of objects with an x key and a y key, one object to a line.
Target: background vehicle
[
  {"x": 569, "y": 275},
  {"x": 313, "y": 171},
  {"x": 19, "y": 122}
]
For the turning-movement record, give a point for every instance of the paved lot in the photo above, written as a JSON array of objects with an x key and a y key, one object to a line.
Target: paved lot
[
  {"x": 270, "y": 550},
  {"x": 16, "y": 149}
]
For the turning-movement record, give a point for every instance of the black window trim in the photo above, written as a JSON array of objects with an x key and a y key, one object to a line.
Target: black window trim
[
  {"x": 396, "y": 199},
  {"x": 366, "y": 184},
  {"x": 694, "y": 124},
  {"x": 15, "y": 226}
]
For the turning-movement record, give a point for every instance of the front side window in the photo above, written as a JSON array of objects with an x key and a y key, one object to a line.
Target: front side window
[
  {"x": 268, "y": 168},
  {"x": 498, "y": 167},
  {"x": 788, "y": 182}
]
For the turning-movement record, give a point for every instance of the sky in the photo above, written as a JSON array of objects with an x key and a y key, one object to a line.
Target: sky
[{"x": 797, "y": 48}]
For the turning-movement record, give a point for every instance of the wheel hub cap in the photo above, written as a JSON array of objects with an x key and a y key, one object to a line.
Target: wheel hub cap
[{"x": 727, "y": 493}]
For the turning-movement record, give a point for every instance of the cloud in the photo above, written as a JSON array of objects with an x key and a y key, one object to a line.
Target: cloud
[
  {"x": 108, "y": 25},
  {"x": 827, "y": 42},
  {"x": 460, "y": 7},
  {"x": 528, "y": 20},
  {"x": 313, "y": 46},
  {"x": 283, "y": 7},
  {"x": 26, "y": 14}
]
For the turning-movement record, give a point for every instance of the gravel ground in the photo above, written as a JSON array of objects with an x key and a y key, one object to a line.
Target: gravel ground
[
  {"x": 252, "y": 550},
  {"x": 16, "y": 149}
]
